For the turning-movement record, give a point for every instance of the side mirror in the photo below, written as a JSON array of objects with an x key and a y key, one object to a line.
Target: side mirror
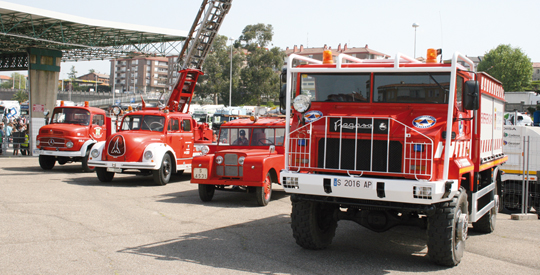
[
  {"x": 471, "y": 95},
  {"x": 283, "y": 99},
  {"x": 46, "y": 113}
]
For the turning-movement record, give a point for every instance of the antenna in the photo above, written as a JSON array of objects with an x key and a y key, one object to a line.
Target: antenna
[{"x": 442, "y": 44}]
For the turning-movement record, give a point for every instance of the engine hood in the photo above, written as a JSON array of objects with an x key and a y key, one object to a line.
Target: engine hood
[
  {"x": 129, "y": 145},
  {"x": 64, "y": 130}
]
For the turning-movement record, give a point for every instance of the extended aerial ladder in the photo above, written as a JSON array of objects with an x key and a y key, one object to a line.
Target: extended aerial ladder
[{"x": 195, "y": 49}]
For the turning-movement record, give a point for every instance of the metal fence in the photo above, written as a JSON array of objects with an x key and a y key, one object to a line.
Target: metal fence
[
  {"x": 15, "y": 144},
  {"x": 520, "y": 192}
]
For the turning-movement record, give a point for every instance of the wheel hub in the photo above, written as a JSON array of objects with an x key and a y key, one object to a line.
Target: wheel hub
[{"x": 462, "y": 227}]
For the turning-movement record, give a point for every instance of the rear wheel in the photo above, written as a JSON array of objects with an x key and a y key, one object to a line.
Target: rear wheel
[
  {"x": 264, "y": 193},
  {"x": 163, "y": 174},
  {"x": 447, "y": 231},
  {"x": 46, "y": 162},
  {"x": 103, "y": 175},
  {"x": 206, "y": 192},
  {"x": 313, "y": 224},
  {"x": 85, "y": 166}
]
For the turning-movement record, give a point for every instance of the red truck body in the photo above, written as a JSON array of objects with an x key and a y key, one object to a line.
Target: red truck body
[
  {"x": 70, "y": 135},
  {"x": 251, "y": 165}
]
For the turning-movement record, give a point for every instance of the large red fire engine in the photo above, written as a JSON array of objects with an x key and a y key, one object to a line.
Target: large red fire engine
[
  {"x": 248, "y": 157},
  {"x": 70, "y": 135},
  {"x": 160, "y": 141},
  {"x": 393, "y": 142}
]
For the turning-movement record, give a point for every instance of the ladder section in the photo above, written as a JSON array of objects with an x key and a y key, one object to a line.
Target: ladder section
[
  {"x": 202, "y": 33},
  {"x": 182, "y": 94}
]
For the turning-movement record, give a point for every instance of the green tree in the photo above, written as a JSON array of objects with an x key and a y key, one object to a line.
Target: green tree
[
  {"x": 510, "y": 66},
  {"x": 17, "y": 81},
  {"x": 20, "y": 96},
  {"x": 91, "y": 71},
  {"x": 259, "y": 79},
  {"x": 72, "y": 73}
]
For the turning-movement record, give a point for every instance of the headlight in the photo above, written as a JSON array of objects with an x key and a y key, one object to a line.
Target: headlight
[
  {"x": 205, "y": 150},
  {"x": 69, "y": 144},
  {"x": 241, "y": 160},
  {"x": 148, "y": 155},
  {"x": 219, "y": 159},
  {"x": 116, "y": 110},
  {"x": 94, "y": 153},
  {"x": 301, "y": 103}
]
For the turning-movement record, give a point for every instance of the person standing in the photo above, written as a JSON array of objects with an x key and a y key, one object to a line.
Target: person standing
[
  {"x": 9, "y": 129},
  {"x": 1, "y": 137},
  {"x": 24, "y": 145}
]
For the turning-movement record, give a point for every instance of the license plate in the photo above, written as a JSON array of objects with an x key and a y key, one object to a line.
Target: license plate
[
  {"x": 116, "y": 170},
  {"x": 200, "y": 173},
  {"x": 353, "y": 183}
]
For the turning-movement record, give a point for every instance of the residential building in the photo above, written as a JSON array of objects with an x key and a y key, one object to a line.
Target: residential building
[
  {"x": 140, "y": 74},
  {"x": 101, "y": 79},
  {"x": 4, "y": 79},
  {"x": 316, "y": 53},
  {"x": 536, "y": 71}
]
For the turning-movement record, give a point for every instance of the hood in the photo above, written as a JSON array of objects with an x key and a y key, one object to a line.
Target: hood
[
  {"x": 130, "y": 145},
  {"x": 67, "y": 130},
  {"x": 246, "y": 152}
]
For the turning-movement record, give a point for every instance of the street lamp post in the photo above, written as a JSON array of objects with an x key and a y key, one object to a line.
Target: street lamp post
[
  {"x": 230, "y": 77},
  {"x": 415, "y": 25}
]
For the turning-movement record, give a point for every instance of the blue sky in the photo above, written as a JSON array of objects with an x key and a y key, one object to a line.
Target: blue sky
[{"x": 469, "y": 27}]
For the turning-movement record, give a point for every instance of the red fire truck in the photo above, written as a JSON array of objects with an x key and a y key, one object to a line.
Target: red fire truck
[
  {"x": 161, "y": 140},
  {"x": 393, "y": 142},
  {"x": 70, "y": 135},
  {"x": 248, "y": 157}
]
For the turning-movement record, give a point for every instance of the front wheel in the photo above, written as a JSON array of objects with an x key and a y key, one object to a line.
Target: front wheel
[
  {"x": 85, "y": 166},
  {"x": 103, "y": 175},
  {"x": 163, "y": 174},
  {"x": 206, "y": 192},
  {"x": 47, "y": 162},
  {"x": 264, "y": 193},
  {"x": 313, "y": 224},
  {"x": 447, "y": 231}
]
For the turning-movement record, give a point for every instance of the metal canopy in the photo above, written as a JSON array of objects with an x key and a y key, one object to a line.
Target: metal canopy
[{"x": 23, "y": 27}]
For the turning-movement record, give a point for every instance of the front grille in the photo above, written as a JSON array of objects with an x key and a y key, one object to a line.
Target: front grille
[
  {"x": 53, "y": 142},
  {"x": 329, "y": 157},
  {"x": 230, "y": 167}
]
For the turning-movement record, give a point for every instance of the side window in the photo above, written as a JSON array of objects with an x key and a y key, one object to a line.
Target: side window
[
  {"x": 459, "y": 93},
  {"x": 173, "y": 125},
  {"x": 280, "y": 136},
  {"x": 186, "y": 125},
  {"x": 98, "y": 120}
]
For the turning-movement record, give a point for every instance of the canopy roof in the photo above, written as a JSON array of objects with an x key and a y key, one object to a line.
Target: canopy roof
[{"x": 79, "y": 38}]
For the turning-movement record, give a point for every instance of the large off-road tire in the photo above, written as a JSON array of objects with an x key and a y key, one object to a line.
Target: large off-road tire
[
  {"x": 314, "y": 224},
  {"x": 47, "y": 162},
  {"x": 206, "y": 192},
  {"x": 264, "y": 193},
  {"x": 85, "y": 166},
  {"x": 486, "y": 224},
  {"x": 447, "y": 231},
  {"x": 103, "y": 175},
  {"x": 163, "y": 174}
]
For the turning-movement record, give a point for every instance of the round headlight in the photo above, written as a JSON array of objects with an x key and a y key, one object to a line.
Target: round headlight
[
  {"x": 301, "y": 103},
  {"x": 116, "y": 110},
  {"x": 241, "y": 160},
  {"x": 205, "y": 150},
  {"x": 69, "y": 144},
  {"x": 219, "y": 159},
  {"x": 148, "y": 155},
  {"x": 94, "y": 153}
]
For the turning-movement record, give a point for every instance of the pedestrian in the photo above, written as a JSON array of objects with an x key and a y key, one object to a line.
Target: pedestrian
[
  {"x": 9, "y": 129},
  {"x": 1, "y": 137},
  {"x": 16, "y": 141},
  {"x": 24, "y": 145}
]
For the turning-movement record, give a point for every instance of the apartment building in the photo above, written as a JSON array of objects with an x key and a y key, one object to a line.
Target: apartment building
[
  {"x": 140, "y": 74},
  {"x": 316, "y": 53},
  {"x": 102, "y": 79}
]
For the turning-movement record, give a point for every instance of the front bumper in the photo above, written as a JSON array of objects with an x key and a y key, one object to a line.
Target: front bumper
[
  {"x": 71, "y": 154},
  {"x": 124, "y": 165},
  {"x": 365, "y": 188}
]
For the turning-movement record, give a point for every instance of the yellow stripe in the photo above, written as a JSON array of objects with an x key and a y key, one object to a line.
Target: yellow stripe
[
  {"x": 520, "y": 172},
  {"x": 493, "y": 163},
  {"x": 466, "y": 169}
]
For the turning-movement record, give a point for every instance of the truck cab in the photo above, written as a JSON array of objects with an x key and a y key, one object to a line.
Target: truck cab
[
  {"x": 149, "y": 142},
  {"x": 70, "y": 135},
  {"x": 248, "y": 157}
]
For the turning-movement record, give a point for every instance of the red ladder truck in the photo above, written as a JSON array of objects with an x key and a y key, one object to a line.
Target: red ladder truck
[
  {"x": 393, "y": 142},
  {"x": 161, "y": 140}
]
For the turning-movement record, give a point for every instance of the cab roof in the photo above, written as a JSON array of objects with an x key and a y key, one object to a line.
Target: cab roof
[{"x": 261, "y": 122}]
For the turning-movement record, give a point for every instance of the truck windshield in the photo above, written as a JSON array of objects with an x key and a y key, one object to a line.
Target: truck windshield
[
  {"x": 140, "y": 122},
  {"x": 251, "y": 136},
  {"x": 71, "y": 116},
  {"x": 199, "y": 117},
  {"x": 411, "y": 87}
]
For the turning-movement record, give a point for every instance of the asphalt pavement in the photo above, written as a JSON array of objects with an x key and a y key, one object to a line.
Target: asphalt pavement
[{"x": 65, "y": 221}]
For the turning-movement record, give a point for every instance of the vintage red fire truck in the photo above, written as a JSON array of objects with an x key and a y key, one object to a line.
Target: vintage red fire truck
[
  {"x": 161, "y": 140},
  {"x": 393, "y": 142},
  {"x": 70, "y": 135},
  {"x": 248, "y": 157}
]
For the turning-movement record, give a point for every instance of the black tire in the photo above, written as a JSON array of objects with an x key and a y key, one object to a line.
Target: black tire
[
  {"x": 313, "y": 224},
  {"x": 486, "y": 224},
  {"x": 47, "y": 162},
  {"x": 447, "y": 231},
  {"x": 264, "y": 193},
  {"x": 179, "y": 173},
  {"x": 103, "y": 175},
  {"x": 163, "y": 174},
  {"x": 85, "y": 166},
  {"x": 206, "y": 192}
]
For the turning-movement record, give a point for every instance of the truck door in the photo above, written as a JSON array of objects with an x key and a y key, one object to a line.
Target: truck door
[
  {"x": 187, "y": 135},
  {"x": 174, "y": 137},
  {"x": 98, "y": 128}
]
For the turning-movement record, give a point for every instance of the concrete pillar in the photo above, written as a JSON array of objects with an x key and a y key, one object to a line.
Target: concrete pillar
[{"x": 43, "y": 74}]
